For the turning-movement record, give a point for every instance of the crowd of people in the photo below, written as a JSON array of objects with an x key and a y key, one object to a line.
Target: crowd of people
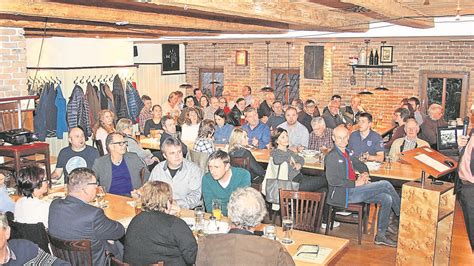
[{"x": 168, "y": 180}]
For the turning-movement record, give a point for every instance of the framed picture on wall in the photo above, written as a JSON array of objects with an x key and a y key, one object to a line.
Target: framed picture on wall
[
  {"x": 171, "y": 61},
  {"x": 386, "y": 54},
  {"x": 241, "y": 58}
]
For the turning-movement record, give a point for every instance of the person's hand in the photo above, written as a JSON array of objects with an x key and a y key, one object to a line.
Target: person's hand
[
  {"x": 359, "y": 182},
  {"x": 2, "y": 180},
  {"x": 299, "y": 148},
  {"x": 255, "y": 142},
  {"x": 175, "y": 209},
  {"x": 462, "y": 141},
  {"x": 293, "y": 149},
  {"x": 297, "y": 166},
  {"x": 155, "y": 159},
  {"x": 365, "y": 176},
  {"x": 264, "y": 119}
]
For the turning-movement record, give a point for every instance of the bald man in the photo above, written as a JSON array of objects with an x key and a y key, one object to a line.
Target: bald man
[
  {"x": 346, "y": 187},
  {"x": 352, "y": 112},
  {"x": 76, "y": 155}
]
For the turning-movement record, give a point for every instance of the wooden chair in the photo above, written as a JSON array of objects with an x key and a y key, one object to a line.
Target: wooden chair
[
  {"x": 199, "y": 158},
  {"x": 116, "y": 262},
  {"x": 100, "y": 148},
  {"x": 361, "y": 220},
  {"x": 306, "y": 208},
  {"x": 244, "y": 162},
  {"x": 77, "y": 252},
  {"x": 36, "y": 233}
]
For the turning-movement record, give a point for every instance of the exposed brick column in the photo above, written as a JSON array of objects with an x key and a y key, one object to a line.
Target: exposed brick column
[{"x": 13, "y": 76}]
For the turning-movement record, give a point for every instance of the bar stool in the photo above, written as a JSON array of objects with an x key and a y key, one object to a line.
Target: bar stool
[{"x": 19, "y": 154}]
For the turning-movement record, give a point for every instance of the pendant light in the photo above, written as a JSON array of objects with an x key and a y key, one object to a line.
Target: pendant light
[
  {"x": 288, "y": 66},
  {"x": 214, "y": 81},
  {"x": 185, "y": 85},
  {"x": 365, "y": 91},
  {"x": 268, "y": 87},
  {"x": 381, "y": 87}
]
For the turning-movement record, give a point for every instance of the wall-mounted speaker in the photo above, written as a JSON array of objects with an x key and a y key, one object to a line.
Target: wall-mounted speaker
[{"x": 135, "y": 51}]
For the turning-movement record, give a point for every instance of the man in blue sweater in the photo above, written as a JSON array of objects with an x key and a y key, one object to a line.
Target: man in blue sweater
[{"x": 222, "y": 180}]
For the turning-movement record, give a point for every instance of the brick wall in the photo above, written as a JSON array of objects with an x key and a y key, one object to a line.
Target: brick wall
[
  {"x": 411, "y": 57},
  {"x": 13, "y": 76}
]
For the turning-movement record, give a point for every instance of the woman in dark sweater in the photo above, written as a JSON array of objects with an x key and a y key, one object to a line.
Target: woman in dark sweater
[
  {"x": 238, "y": 142},
  {"x": 155, "y": 235},
  {"x": 155, "y": 122}
]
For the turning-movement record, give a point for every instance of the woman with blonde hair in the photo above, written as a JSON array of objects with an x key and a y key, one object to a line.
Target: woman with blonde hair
[
  {"x": 157, "y": 235},
  {"x": 190, "y": 126},
  {"x": 104, "y": 127},
  {"x": 238, "y": 148}
]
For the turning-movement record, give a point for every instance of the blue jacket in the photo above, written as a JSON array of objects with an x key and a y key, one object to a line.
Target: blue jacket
[
  {"x": 222, "y": 134},
  {"x": 135, "y": 104},
  {"x": 261, "y": 132},
  {"x": 61, "y": 123},
  {"x": 45, "y": 113},
  {"x": 78, "y": 111},
  {"x": 119, "y": 98}
]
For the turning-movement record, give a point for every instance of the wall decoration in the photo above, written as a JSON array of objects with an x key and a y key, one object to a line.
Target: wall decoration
[
  {"x": 241, "y": 58},
  {"x": 170, "y": 57},
  {"x": 386, "y": 54}
]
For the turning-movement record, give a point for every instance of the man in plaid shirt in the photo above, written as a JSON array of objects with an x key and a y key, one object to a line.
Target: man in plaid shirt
[
  {"x": 321, "y": 137},
  {"x": 145, "y": 113}
]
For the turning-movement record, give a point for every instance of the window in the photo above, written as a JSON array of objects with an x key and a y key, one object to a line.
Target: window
[
  {"x": 206, "y": 75},
  {"x": 280, "y": 78},
  {"x": 446, "y": 89}
]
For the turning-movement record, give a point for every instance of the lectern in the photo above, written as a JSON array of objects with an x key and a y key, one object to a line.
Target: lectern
[{"x": 427, "y": 211}]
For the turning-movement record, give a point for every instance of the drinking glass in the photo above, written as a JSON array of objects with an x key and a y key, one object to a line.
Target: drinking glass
[
  {"x": 388, "y": 164},
  {"x": 100, "y": 196},
  {"x": 217, "y": 209},
  {"x": 270, "y": 231},
  {"x": 287, "y": 224},
  {"x": 199, "y": 218}
]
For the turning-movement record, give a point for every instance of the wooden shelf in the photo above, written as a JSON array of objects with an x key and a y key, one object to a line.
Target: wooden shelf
[{"x": 354, "y": 67}]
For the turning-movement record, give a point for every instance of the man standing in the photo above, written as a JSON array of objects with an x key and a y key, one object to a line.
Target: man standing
[
  {"x": 236, "y": 115},
  {"x": 352, "y": 112},
  {"x": 429, "y": 128},
  {"x": 297, "y": 133},
  {"x": 120, "y": 171},
  {"x": 145, "y": 113},
  {"x": 265, "y": 110},
  {"x": 346, "y": 187},
  {"x": 307, "y": 114},
  {"x": 184, "y": 176},
  {"x": 74, "y": 218},
  {"x": 211, "y": 109},
  {"x": 409, "y": 142},
  {"x": 76, "y": 155},
  {"x": 365, "y": 142},
  {"x": 258, "y": 133},
  {"x": 247, "y": 94},
  {"x": 222, "y": 180},
  {"x": 332, "y": 116},
  {"x": 277, "y": 117}
]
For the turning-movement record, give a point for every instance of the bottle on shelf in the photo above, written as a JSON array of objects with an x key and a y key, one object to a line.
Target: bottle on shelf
[
  {"x": 376, "y": 57},
  {"x": 371, "y": 57},
  {"x": 362, "y": 57}
]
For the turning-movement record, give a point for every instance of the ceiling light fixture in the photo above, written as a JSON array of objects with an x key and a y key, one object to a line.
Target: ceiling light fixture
[
  {"x": 214, "y": 81},
  {"x": 458, "y": 8},
  {"x": 185, "y": 85},
  {"x": 267, "y": 87}
]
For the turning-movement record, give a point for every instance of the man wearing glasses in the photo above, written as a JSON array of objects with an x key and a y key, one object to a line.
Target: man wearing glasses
[
  {"x": 120, "y": 171},
  {"x": 74, "y": 218}
]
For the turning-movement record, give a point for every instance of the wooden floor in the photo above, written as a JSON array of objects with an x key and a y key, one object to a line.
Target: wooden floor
[{"x": 370, "y": 254}]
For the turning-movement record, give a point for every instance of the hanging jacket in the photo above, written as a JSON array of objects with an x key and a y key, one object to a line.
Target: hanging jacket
[
  {"x": 106, "y": 98},
  {"x": 51, "y": 112},
  {"x": 119, "y": 99},
  {"x": 40, "y": 114},
  {"x": 61, "y": 123},
  {"x": 134, "y": 103},
  {"x": 94, "y": 103},
  {"x": 78, "y": 110}
]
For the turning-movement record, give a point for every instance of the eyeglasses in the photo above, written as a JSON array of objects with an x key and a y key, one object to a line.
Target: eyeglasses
[
  {"x": 121, "y": 143},
  {"x": 93, "y": 183}
]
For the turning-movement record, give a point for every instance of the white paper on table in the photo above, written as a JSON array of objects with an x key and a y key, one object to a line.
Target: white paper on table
[
  {"x": 319, "y": 258},
  {"x": 431, "y": 162},
  {"x": 125, "y": 221}
]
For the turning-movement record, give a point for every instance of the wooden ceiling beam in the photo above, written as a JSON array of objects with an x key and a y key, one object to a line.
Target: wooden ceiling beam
[
  {"x": 85, "y": 33},
  {"x": 298, "y": 16},
  {"x": 110, "y": 15}
]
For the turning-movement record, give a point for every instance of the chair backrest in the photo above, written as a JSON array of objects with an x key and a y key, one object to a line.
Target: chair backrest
[
  {"x": 306, "y": 208},
  {"x": 36, "y": 233},
  {"x": 242, "y": 162},
  {"x": 116, "y": 262},
  {"x": 77, "y": 252},
  {"x": 8, "y": 116},
  {"x": 199, "y": 158},
  {"x": 100, "y": 148}
]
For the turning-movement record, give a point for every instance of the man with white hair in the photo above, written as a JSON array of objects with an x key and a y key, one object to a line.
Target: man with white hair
[
  {"x": 246, "y": 211},
  {"x": 429, "y": 128},
  {"x": 409, "y": 142},
  {"x": 321, "y": 137}
]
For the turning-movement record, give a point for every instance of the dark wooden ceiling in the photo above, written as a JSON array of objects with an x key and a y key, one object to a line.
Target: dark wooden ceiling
[{"x": 157, "y": 18}]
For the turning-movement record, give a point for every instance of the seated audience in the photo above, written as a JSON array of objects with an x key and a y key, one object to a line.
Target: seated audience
[
  {"x": 145, "y": 113},
  {"x": 180, "y": 99},
  {"x": 120, "y": 171},
  {"x": 197, "y": 93},
  {"x": 415, "y": 104},
  {"x": 6, "y": 203},
  {"x": 190, "y": 128},
  {"x": 222, "y": 180},
  {"x": 337, "y": 101},
  {"x": 298, "y": 134},
  {"x": 104, "y": 127},
  {"x": 236, "y": 115},
  {"x": 307, "y": 114},
  {"x": 205, "y": 139},
  {"x": 282, "y": 154},
  {"x": 277, "y": 117},
  {"x": 171, "y": 106},
  {"x": 466, "y": 178},
  {"x": 189, "y": 101},
  {"x": 211, "y": 109},
  {"x": 223, "y": 105},
  {"x": 184, "y": 176},
  {"x": 352, "y": 112},
  {"x": 33, "y": 185},
  {"x": 124, "y": 126},
  {"x": 429, "y": 128},
  {"x": 203, "y": 102},
  {"x": 409, "y": 142},
  {"x": 400, "y": 116},
  {"x": 346, "y": 187},
  {"x": 238, "y": 144},
  {"x": 332, "y": 117},
  {"x": 365, "y": 142},
  {"x": 405, "y": 104},
  {"x": 155, "y": 122},
  {"x": 246, "y": 211},
  {"x": 223, "y": 129},
  {"x": 77, "y": 154},
  {"x": 265, "y": 109},
  {"x": 169, "y": 130},
  {"x": 258, "y": 132},
  {"x": 247, "y": 94},
  {"x": 73, "y": 218},
  {"x": 22, "y": 251},
  {"x": 156, "y": 234},
  {"x": 321, "y": 137}
]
